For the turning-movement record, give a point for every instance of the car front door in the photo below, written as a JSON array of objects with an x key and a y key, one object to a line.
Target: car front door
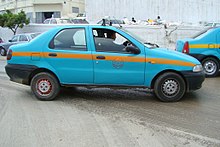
[
  {"x": 112, "y": 64},
  {"x": 70, "y": 56}
]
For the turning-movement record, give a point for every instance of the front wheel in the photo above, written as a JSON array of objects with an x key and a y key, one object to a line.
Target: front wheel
[
  {"x": 169, "y": 87},
  {"x": 211, "y": 67},
  {"x": 45, "y": 86}
]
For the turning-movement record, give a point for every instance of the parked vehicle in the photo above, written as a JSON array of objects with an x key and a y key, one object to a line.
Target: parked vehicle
[
  {"x": 93, "y": 55},
  {"x": 212, "y": 24},
  {"x": 113, "y": 21},
  {"x": 205, "y": 46},
  {"x": 57, "y": 21},
  {"x": 79, "y": 20},
  {"x": 19, "y": 38}
]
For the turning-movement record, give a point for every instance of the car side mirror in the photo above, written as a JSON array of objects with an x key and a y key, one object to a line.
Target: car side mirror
[{"x": 132, "y": 49}]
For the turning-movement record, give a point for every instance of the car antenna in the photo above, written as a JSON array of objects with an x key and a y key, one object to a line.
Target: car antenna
[{"x": 117, "y": 22}]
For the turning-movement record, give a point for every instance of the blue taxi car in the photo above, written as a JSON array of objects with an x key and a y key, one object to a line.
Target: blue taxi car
[
  {"x": 205, "y": 46},
  {"x": 100, "y": 56}
]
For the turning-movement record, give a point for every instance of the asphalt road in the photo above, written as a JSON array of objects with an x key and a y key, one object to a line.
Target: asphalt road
[{"x": 108, "y": 117}]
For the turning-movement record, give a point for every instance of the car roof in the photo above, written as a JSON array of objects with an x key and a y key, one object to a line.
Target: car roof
[
  {"x": 29, "y": 33},
  {"x": 60, "y": 27}
]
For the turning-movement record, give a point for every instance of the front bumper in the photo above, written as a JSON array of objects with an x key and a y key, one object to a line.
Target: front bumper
[
  {"x": 19, "y": 73},
  {"x": 194, "y": 80}
]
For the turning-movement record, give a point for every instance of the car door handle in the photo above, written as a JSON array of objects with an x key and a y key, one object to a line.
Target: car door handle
[
  {"x": 100, "y": 57},
  {"x": 152, "y": 62},
  {"x": 52, "y": 54}
]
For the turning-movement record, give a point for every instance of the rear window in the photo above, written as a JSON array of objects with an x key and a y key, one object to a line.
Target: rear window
[
  {"x": 202, "y": 33},
  {"x": 79, "y": 21}
]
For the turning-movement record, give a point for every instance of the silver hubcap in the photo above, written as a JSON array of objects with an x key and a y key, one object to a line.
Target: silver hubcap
[
  {"x": 170, "y": 87},
  {"x": 44, "y": 87},
  {"x": 210, "y": 67}
]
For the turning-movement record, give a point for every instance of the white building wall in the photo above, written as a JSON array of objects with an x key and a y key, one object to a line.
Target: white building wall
[{"x": 171, "y": 10}]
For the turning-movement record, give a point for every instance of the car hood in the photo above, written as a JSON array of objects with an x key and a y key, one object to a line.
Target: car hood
[{"x": 172, "y": 55}]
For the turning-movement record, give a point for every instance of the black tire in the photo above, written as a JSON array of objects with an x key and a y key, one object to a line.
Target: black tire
[
  {"x": 169, "y": 87},
  {"x": 2, "y": 51},
  {"x": 45, "y": 86},
  {"x": 211, "y": 67}
]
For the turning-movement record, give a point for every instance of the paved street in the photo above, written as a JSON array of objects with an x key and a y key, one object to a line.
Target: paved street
[{"x": 108, "y": 117}]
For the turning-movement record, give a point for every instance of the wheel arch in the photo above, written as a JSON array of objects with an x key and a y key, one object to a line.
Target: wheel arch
[
  {"x": 164, "y": 71},
  {"x": 39, "y": 70},
  {"x": 210, "y": 56}
]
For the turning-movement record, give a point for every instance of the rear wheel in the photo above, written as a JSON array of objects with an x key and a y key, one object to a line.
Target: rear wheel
[
  {"x": 45, "y": 86},
  {"x": 211, "y": 67},
  {"x": 169, "y": 87},
  {"x": 2, "y": 51}
]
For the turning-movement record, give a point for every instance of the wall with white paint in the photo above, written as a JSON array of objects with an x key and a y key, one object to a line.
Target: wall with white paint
[{"x": 170, "y": 10}]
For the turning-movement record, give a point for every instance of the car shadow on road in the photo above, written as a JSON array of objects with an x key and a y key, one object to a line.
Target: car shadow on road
[
  {"x": 108, "y": 94},
  {"x": 103, "y": 94},
  {"x": 190, "y": 97}
]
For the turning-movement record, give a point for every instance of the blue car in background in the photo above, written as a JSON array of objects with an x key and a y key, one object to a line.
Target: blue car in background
[
  {"x": 101, "y": 56},
  {"x": 205, "y": 46}
]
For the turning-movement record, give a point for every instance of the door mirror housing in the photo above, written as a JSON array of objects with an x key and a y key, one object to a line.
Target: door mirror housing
[{"x": 132, "y": 50}]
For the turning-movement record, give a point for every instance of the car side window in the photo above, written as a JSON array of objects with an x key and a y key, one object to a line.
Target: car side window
[
  {"x": 15, "y": 38},
  {"x": 23, "y": 38},
  {"x": 109, "y": 41},
  {"x": 70, "y": 39}
]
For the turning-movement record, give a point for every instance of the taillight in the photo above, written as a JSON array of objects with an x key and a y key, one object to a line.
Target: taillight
[
  {"x": 9, "y": 54},
  {"x": 186, "y": 48}
]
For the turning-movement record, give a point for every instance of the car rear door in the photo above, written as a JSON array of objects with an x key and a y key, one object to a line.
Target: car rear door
[
  {"x": 70, "y": 56},
  {"x": 112, "y": 64}
]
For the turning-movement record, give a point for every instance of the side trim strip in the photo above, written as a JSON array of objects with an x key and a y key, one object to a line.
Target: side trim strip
[
  {"x": 108, "y": 58},
  {"x": 202, "y": 46}
]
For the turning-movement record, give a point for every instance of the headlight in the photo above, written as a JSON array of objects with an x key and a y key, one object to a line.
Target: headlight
[{"x": 197, "y": 68}]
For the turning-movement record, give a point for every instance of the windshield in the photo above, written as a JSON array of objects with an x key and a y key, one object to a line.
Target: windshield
[
  {"x": 141, "y": 40},
  {"x": 133, "y": 35}
]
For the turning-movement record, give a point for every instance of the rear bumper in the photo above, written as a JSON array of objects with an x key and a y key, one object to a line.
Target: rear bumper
[
  {"x": 194, "y": 80},
  {"x": 19, "y": 73}
]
